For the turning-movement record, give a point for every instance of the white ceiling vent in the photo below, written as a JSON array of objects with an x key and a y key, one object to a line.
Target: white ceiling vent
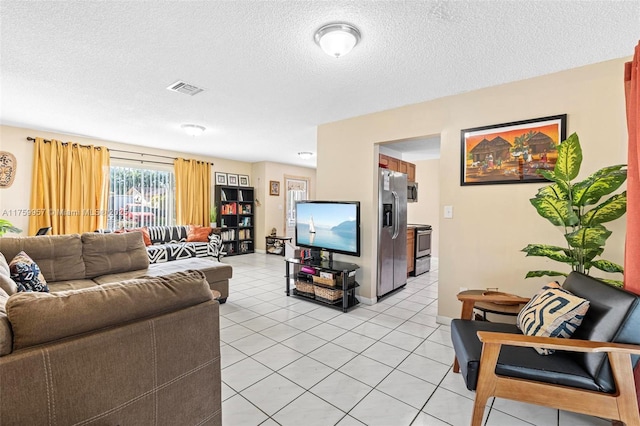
[{"x": 186, "y": 88}]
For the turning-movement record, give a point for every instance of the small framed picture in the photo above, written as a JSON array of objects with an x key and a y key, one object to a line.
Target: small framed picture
[
  {"x": 221, "y": 178},
  {"x": 243, "y": 180},
  {"x": 232, "y": 180},
  {"x": 274, "y": 187}
]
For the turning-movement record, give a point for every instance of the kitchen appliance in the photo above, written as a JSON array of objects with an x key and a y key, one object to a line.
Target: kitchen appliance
[
  {"x": 392, "y": 231},
  {"x": 412, "y": 192},
  {"x": 423, "y": 249}
]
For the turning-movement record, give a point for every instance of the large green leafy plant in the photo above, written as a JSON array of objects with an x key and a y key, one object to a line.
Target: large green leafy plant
[
  {"x": 6, "y": 226},
  {"x": 577, "y": 210}
]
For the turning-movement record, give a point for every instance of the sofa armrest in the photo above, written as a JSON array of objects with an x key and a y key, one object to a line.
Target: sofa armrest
[{"x": 572, "y": 345}]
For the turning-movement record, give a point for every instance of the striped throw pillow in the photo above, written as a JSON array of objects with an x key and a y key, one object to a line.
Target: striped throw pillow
[{"x": 552, "y": 312}]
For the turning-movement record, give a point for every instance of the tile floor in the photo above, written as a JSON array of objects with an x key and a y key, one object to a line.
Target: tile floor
[{"x": 286, "y": 361}]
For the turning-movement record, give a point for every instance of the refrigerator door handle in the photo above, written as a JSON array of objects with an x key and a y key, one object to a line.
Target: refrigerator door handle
[{"x": 396, "y": 213}]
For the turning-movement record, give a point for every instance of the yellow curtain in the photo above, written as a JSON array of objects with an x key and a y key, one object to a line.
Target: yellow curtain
[
  {"x": 70, "y": 186},
  {"x": 193, "y": 191}
]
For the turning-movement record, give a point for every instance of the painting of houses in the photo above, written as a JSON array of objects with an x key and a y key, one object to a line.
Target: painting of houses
[{"x": 510, "y": 152}]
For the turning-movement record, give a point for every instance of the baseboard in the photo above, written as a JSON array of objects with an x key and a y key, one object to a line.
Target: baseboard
[
  {"x": 441, "y": 319},
  {"x": 260, "y": 251},
  {"x": 365, "y": 300}
]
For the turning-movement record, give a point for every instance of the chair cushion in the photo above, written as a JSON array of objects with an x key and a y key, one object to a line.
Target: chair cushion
[
  {"x": 26, "y": 274},
  {"x": 559, "y": 368},
  {"x": 552, "y": 312},
  {"x": 613, "y": 316}
]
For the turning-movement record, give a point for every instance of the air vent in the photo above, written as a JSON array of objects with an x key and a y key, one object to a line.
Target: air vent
[{"x": 186, "y": 88}]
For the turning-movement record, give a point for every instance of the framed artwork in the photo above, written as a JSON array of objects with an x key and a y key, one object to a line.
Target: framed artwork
[
  {"x": 232, "y": 180},
  {"x": 511, "y": 152},
  {"x": 221, "y": 178},
  {"x": 274, "y": 187},
  {"x": 243, "y": 180}
]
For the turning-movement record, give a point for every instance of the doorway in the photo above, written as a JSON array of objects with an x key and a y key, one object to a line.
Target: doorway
[{"x": 297, "y": 189}]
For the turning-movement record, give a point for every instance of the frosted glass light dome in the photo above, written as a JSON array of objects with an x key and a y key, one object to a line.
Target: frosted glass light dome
[{"x": 337, "y": 39}]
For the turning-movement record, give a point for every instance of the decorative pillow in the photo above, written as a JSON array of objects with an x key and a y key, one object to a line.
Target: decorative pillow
[
  {"x": 26, "y": 274},
  {"x": 552, "y": 312},
  {"x": 145, "y": 234},
  {"x": 198, "y": 234}
]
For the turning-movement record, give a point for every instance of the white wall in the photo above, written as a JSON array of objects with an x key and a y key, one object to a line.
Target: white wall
[
  {"x": 426, "y": 210},
  {"x": 480, "y": 246}
]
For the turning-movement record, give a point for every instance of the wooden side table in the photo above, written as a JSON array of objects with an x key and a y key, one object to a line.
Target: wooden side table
[
  {"x": 487, "y": 302},
  {"x": 275, "y": 244}
]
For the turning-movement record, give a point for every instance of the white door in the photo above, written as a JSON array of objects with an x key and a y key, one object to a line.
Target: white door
[{"x": 297, "y": 190}]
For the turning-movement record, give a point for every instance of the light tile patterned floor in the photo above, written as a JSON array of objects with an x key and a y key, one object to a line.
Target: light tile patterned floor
[{"x": 286, "y": 361}]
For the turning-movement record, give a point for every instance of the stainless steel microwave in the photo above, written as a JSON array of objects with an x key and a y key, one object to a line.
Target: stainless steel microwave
[{"x": 412, "y": 192}]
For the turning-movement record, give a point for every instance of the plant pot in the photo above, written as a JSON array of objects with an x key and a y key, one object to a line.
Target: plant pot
[{"x": 213, "y": 224}]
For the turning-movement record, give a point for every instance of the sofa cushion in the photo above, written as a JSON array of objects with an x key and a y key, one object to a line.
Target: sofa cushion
[
  {"x": 168, "y": 234},
  {"x": 198, "y": 234},
  {"x": 6, "y": 336},
  {"x": 122, "y": 276},
  {"x": 74, "y": 312},
  {"x": 58, "y": 256},
  {"x": 71, "y": 285},
  {"x": 552, "y": 312},
  {"x": 112, "y": 253},
  {"x": 168, "y": 252},
  {"x": 213, "y": 270},
  {"x": 26, "y": 274},
  {"x": 6, "y": 283}
]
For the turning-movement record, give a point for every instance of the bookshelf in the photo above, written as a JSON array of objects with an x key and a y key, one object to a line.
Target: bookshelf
[{"x": 236, "y": 210}]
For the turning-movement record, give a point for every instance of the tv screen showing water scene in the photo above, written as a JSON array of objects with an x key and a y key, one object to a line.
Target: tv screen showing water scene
[{"x": 329, "y": 225}]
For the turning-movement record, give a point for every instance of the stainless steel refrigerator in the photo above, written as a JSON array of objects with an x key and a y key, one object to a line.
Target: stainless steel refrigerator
[{"x": 392, "y": 231}]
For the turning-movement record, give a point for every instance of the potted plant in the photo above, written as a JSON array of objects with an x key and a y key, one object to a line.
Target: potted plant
[
  {"x": 6, "y": 226},
  {"x": 575, "y": 208},
  {"x": 213, "y": 217}
]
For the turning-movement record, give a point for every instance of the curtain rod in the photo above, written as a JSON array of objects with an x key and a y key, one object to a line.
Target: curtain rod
[
  {"x": 29, "y": 138},
  {"x": 142, "y": 161}
]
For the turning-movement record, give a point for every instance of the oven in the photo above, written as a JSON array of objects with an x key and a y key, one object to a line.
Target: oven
[
  {"x": 422, "y": 253},
  {"x": 423, "y": 242}
]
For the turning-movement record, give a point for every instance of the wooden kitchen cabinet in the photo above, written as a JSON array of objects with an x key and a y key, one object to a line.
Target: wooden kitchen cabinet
[
  {"x": 411, "y": 172},
  {"x": 398, "y": 165},
  {"x": 411, "y": 244}
]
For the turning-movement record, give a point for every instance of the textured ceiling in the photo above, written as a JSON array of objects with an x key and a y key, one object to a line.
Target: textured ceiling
[{"x": 100, "y": 69}]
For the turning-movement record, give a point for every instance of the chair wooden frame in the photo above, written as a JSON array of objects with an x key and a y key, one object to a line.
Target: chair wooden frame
[{"x": 621, "y": 407}]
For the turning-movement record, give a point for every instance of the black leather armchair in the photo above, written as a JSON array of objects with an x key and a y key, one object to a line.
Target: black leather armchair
[{"x": 590, "y": 373}]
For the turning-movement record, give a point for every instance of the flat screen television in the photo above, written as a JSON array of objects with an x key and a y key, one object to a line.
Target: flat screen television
[{"x": 333, "y": 226}]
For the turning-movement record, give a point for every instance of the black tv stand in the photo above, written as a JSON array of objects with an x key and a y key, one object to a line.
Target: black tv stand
[
  {"x": 310, "y": 281},
  {"x": 316, "y": 256}
]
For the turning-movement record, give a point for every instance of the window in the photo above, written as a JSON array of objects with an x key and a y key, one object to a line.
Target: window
[{"x": 141, "y": 197}]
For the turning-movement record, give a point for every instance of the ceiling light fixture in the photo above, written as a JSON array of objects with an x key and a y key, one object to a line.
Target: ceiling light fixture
[
  {"x": 193, "y": 129},
  {"x": 337, "y": 39},
  {"x": 305, "y": 155}
]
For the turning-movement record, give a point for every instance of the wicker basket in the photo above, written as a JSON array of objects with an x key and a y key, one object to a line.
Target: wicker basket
[
  {"x": 327, "y": 293},
  {"x": 305, "y": 287},
  {"x": 324, "y": 281}
]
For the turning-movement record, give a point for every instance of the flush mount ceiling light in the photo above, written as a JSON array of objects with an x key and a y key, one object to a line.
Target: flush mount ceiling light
[
  {"x": 193, "y": 129},
  {"x": 337, "y": 39},
  {"x": 305, "y": 155}
]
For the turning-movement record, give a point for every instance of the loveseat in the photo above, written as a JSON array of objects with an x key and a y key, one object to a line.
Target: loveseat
[
  {"x": 79, "y": 261},
  {"x": 137, "y": 352},
  {"x": 170, "y": 243}
]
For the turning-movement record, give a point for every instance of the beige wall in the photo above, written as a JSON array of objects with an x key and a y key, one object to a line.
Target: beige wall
[
  {"x": 14, "y": 140},
  {"x": 426, "y": 210},
  {"x": 271, "y": 212},
  {"x": 480, "y": 246}
]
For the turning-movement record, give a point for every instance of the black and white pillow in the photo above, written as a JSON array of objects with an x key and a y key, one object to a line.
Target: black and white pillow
[{"x": 26, "y": 274}]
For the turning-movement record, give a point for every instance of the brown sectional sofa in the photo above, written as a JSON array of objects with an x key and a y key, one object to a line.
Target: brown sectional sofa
[
  {"x": 80, "y": 261},
  {"x": 137, "y": 352}
]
